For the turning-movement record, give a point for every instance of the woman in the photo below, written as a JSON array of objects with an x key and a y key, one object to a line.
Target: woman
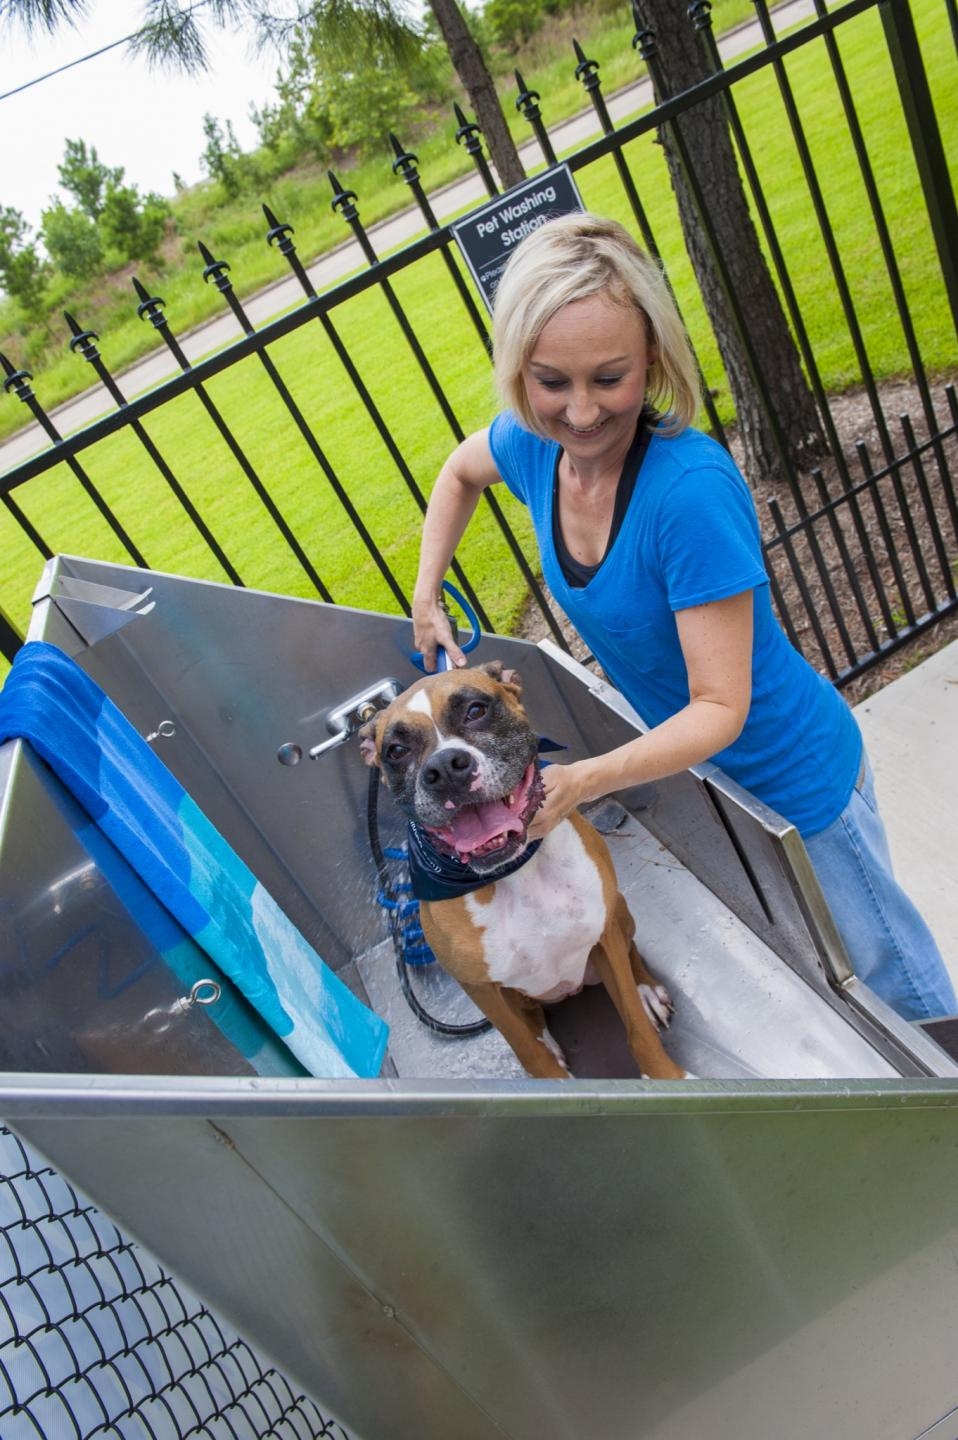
[{"x": 650, "y": 543}]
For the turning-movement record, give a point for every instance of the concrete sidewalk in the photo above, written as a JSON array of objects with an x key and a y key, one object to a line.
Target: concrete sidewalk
[{"x": 911, "y": 731}]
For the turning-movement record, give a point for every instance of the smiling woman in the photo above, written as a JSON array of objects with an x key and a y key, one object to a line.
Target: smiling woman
[
  {"x": 592, "y": 409},
  {"x": 650, "y": 543}
]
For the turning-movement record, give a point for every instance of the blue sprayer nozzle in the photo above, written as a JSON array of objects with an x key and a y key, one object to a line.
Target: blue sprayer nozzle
[{"x": 442, "y": 659}]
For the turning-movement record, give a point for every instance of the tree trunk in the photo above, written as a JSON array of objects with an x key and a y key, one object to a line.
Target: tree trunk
[
  {"x": 679, "y": 62},
  {"x": 474, "y": 74}
]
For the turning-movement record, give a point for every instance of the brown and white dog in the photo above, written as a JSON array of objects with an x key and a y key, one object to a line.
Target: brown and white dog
[{"x": 458, "y": 754}]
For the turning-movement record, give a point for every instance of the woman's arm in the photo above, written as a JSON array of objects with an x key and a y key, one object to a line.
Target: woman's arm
[
  {"x": 716, "y": 642},
  {"x": 467, "y": 472}
]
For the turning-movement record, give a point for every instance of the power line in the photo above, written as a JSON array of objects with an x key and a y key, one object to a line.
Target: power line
[{"x": 68, "y": 66}]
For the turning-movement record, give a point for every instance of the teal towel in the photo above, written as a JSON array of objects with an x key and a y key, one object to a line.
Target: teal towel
[{"x": 140, "y": 806}]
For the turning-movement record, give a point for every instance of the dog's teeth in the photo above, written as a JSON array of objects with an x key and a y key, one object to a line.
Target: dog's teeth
[{"x": 450, "y": 805}]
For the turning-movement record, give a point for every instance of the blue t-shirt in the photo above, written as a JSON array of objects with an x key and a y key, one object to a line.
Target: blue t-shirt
[{"x": 691, "y": 535}]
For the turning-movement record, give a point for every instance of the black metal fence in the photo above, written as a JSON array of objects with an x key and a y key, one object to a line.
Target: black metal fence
[
  {"x": 96, "y": 1340},
  {"x": 862, "y": 552}
]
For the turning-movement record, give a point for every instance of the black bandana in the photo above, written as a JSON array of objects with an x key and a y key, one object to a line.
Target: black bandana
[{"x": 438, "y": 876}]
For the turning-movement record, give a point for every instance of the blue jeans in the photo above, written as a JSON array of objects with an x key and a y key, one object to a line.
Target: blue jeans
[{"x": 889, "y": 945}]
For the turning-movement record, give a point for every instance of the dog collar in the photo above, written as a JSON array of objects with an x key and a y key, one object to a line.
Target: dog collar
[{"x": 436, "y": 876}]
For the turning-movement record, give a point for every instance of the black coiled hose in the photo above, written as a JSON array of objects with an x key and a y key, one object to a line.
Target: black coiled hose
[{"x": 439, "y": 1027}]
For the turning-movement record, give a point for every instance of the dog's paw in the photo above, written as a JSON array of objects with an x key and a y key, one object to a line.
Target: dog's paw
[
  {"x": 555, "y": 1050},
  {"x": 657, "y": 1004}
]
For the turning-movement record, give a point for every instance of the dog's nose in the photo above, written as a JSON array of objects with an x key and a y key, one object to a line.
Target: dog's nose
[{"x": 448, "y": 769}]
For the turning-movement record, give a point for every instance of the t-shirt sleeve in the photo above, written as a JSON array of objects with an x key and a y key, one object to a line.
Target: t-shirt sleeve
[
  {"x": 709, "y": 542},
  {"x": 508, "y": 443}
]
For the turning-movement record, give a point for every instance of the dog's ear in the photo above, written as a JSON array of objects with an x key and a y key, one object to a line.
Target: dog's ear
[
  {"x": 367, "y": 741},
  {"x": 510, "y": 678}
]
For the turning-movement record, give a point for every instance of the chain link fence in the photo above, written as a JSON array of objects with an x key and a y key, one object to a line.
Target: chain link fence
[{"x": 97, "y": 1340}]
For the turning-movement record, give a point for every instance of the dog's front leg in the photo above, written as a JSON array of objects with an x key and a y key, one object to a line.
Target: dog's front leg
[
  {"x": 522, "y": 1023},
  {"x": 654, "y": 996},
  {"x": 613, "y": 964}
]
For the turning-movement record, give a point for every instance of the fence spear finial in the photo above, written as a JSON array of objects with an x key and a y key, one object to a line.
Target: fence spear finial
[
  {"x": 279, "y": 233},
  {"x": 343, "y": 199},
  {"x": 17, "y": 380},
  {"x": 150, "y": 306},
  {"x": 215, "y": 270},
  {"x": 82, "y": 340},
  {"x": 587, "y": 70},
  {"x": 526, "y": 100},
  {"x": 644, "y": 38}
]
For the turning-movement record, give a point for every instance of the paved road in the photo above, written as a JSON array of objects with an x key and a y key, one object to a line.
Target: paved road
[{"x": 334, "y": 266}]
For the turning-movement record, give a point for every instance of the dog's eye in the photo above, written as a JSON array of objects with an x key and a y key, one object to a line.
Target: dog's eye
[
  {"x": 476, "y": 710},
  {"x": 396, "y": 752}
]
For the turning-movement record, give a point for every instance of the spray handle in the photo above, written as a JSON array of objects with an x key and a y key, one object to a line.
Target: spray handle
[{"x": 442, "y": 659}]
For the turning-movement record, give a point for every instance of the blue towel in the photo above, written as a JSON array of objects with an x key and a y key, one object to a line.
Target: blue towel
[{"x": 114, "y": 774}]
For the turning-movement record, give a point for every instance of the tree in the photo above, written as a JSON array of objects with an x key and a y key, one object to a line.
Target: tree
[
  {"x": 364, "y": 104},
  {"x": 132, "y": 225},
  {"x": 512, "y": 22},
  {"x": 84, "y": 177},
  {"x": 71, "y": 240},
  {"x": 111, "y": 221},
  {"x": 679, "y": 64},
  {"x": 470, "y": 66},
  {"x": 323, "y": 108},
  {"x": 223, "y": 158},
  {"x": 23, "y": 275}
]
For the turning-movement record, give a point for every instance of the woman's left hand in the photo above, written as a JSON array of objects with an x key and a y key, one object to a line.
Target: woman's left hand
[{"x": 563, "y": 794}]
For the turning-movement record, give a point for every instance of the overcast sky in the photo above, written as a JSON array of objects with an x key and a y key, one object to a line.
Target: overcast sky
[{"x": 149, "y": 122}]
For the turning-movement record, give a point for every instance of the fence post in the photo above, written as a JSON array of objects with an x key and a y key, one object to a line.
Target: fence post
[
  {"x": 83, "y": 342},
  {"x": 903, "y": 49},
  {"x": 18, "y": 381},
  {"x": 10, "y": 637},
  {"x": 405, "y": 164},
  {"x": 217, "y": 271},
  {"x": 468, "y": 135},
  {"x": 527, "y": 105}
]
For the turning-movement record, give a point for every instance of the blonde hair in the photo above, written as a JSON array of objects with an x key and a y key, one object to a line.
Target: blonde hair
[{"x": 568, "y": 259}]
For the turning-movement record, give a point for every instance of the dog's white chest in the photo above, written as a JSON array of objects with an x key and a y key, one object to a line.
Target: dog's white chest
[{"x": 542, "y": 922}]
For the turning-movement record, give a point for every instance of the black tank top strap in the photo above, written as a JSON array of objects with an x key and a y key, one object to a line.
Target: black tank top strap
[{"x": 576, "y": 574}]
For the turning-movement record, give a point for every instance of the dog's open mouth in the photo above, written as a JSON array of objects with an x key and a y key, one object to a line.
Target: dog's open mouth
[{"x": 496, "y": 828}]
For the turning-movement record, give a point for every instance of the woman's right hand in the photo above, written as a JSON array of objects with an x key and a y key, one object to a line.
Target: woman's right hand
[
  {"x": 459, "y": 484},
  {"x": 431, "y": 628}
]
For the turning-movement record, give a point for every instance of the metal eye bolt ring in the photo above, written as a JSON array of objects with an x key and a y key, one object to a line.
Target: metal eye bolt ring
[{"x": 204, "y": 992}]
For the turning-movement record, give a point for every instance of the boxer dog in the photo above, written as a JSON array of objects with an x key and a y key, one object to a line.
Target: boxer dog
[{"x": 516, "y": 922}]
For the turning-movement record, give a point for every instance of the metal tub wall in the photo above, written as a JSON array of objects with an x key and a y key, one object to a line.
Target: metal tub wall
[
  {"x": 526, "y": 1259},
  {"x": 473, "y": 1257},
  {"x": 222, "y": 681}
]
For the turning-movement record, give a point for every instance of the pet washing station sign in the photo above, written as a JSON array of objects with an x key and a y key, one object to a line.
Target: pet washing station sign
[{"x": 487, "y": 237}]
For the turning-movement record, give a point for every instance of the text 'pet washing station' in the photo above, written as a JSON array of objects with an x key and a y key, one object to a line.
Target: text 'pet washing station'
[{"x": 451, "y": 1251}]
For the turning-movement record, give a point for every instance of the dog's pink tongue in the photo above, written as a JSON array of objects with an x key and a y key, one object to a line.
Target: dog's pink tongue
[{"x": 476, "y": 825}]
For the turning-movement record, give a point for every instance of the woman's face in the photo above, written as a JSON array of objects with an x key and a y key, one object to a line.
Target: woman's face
[{"x": 585, "y": 378}]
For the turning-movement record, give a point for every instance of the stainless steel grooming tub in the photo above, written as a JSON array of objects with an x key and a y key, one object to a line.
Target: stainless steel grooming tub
[{"x": 453, "y": 1250}]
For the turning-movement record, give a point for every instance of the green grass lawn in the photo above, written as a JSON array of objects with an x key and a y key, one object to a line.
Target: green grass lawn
[{"x": 140, "y": 497}]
